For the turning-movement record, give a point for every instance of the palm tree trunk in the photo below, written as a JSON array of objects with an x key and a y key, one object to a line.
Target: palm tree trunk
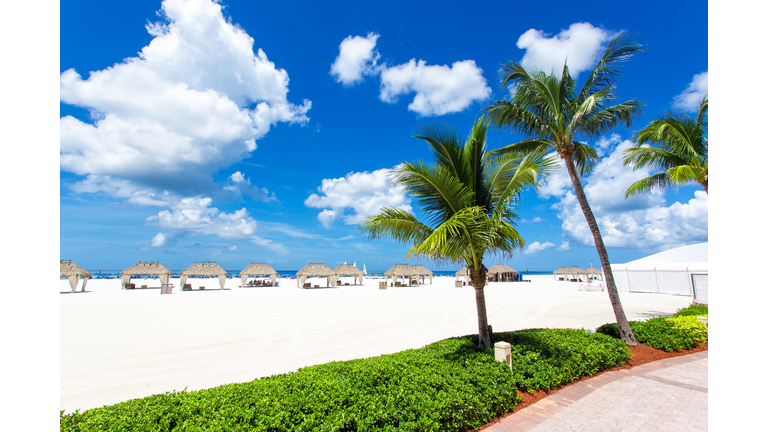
[
  {"x": 478, "y": 282},
  {"x": 621, "y": 319}
]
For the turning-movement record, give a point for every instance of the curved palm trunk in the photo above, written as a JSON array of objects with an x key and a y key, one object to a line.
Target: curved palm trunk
[
  {"x": 621, "y": 319},
  {"x": 478, "y": 278}
]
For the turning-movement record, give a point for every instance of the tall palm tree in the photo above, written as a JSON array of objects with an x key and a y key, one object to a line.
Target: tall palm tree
[
  {"x": 679, "y": 146},
  {"x": 551, "y": 114},
  {"x": 466, "y": 196}
]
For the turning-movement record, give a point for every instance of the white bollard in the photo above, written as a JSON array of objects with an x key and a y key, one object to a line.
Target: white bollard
[
  {"x": 704, "y": 320},
  {"x": 504, "y": 353}
]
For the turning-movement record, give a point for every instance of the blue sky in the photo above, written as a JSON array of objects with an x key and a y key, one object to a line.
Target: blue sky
[{"x": 262, "y": 132}]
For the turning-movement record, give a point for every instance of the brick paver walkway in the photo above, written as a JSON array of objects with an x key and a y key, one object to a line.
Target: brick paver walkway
[{"x": 665, "y": 395}]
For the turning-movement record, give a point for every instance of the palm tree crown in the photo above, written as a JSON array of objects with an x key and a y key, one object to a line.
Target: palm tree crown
[
  {"x": 466, "y": 196},
  {"x": 676, "y": 144}
]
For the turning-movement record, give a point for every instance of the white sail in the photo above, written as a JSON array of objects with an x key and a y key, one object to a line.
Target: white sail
[{"x": 364, "y": 271}]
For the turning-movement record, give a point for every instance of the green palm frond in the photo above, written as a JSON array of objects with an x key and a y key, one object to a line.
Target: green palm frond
[
  {"x": 397, "y": 224},
  {"x": 585, "y": 158},
  {"x": 647, "y": 184},
  {"x": 440, "y": 193},
  {"x": 607, "y": 70}
]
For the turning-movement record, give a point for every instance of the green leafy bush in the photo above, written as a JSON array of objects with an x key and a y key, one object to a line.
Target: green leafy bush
[
  {"x": 449, "y": 385},
  {"x": 665, "y": 334},
  {"x": 543, "y": 359},
  {"x": 693, "y": 310}
]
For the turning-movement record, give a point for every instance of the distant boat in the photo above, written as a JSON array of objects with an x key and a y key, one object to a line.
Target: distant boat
[{"x": 365, "y": 272}]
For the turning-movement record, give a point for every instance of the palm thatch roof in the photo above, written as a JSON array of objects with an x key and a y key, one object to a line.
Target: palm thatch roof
[
  {"x": 67, "y": 268},
  {"x": 315, "y": 269},
  {"x": 348, "y": 269},
  {"x": 258, "y": 269},
  {"x": 205, "y": 269},
  {"x": 501, "y": 268},
  {"x": 421, "y": 270},
  {"x": 576, "y": 270},
  {"x": 561, "y": 270},
  {"x": 400, "y": 270},
  {"x": 146, "y": 268},
  {"x": 462, "y": 272},
  {"x": 593, "y": 270}
]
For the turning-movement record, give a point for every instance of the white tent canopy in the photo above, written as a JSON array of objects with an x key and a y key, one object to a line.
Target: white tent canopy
[{"x": 676, "y": 271}]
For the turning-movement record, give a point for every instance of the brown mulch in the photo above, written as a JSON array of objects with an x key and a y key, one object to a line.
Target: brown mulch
[{"x": 641, "y": 354}]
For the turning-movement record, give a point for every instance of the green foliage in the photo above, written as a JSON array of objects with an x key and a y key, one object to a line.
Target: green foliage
[
  {"x": 693, "y": 310},
  {"x": 449, "y": 385},
  {"x": 543, "y": 359},
  {"x": 666, "y": 334}
]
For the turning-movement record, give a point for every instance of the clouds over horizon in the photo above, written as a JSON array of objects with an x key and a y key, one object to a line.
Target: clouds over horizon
[
  {"x": 364, "y": 193},
  {"x": 644, "y": 221},
  {"x": 194, "y": 101},
  {"x": 440, "y": 89}
]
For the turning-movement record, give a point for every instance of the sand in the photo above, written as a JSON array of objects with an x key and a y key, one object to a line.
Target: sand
[{"x": 119, "y": 344}]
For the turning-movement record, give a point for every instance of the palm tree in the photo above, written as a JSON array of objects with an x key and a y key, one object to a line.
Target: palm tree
[
  {"x": 547, "y": 110},
  {"x": 466, "y": 196},
  {"x": 681, "y": 148}
]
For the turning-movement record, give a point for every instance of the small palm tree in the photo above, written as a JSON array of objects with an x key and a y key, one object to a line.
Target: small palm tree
[
  {"x": 678, "y": 146},
  {"x": 466, "y": 196},
  {"x": 551, "y": 114}
]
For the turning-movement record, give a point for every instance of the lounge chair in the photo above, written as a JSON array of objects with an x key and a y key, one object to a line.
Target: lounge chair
[{"x": 591, "y": 287}]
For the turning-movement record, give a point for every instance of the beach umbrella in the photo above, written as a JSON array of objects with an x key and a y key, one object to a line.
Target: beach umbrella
[
  {"x": 257, "y": 270},
  {"x": 501, "y": 269},
  {"x": 204, "y": 269},
  {"x": 349, "y": 270},
  {"x": 315, "y": 270},
  {"x": 74, "y": 273},
  {"x": 153, "y": 268}
]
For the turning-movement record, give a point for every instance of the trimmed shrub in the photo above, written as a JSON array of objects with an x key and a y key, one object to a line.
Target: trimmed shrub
[
  {"x": 693, "y": 310},
  {"x": 449, "y": 385},
  {"x": 543, "y": 359},
  {"x": 665, "y": 334}
]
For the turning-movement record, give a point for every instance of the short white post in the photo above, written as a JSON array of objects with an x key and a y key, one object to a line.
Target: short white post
[
  {"x": 704, "y": 320},
  {"x": 504, "y": 353}
]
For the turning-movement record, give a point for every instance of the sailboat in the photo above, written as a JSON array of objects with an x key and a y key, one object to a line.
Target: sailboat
[{"x": 364, "y": 271}]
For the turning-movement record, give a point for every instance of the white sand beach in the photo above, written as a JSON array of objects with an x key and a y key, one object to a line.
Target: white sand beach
[{"x": 124, "y": 344}]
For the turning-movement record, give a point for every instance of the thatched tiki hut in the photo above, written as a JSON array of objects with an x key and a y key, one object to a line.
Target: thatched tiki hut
[
  {"x": 423, "y": 272},
  {"x": 399, "y": 270},
  {"x": 593, "y": 273},
  {"x": 204, "y": 269},
  {"x": 502, "y": 273},
  {"x": 561, "y": 271},
  {"x": 350, "y": 270},
  {"x": 149, "y": 268},
  {"x": 462, "y": 275},
  {"x": 576, "y": 272},
  {"x": 315, "y": 270},
  {"x": 258, "y": 270},
  {"x": 74, "y": 273}
]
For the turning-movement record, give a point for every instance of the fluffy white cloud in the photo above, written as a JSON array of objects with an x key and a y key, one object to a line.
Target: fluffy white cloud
[
  {"x": 641, "y": 221},
  {"x": 195, "y": 215},
  {"x": 439, "y": 89},
  {"x": 564, "y": 246},
  {"x": 239, "y": 186},
  {"x": 195, "y": 100},
  {"x": 581, "y": 45},
  {"x": 691, "y": 97},
  {"x": 537, "y": 247},
  {"x": 357, "y": 57},
  {"x": 364, "y": 193}
]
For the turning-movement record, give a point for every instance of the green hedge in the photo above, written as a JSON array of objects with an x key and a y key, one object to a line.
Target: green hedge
[
  {"x": 666, "y": 334},
  {"x": 449, "y": 385},
  {"x": 693, "y": 310},
  {"x": 543, "y": 359}
]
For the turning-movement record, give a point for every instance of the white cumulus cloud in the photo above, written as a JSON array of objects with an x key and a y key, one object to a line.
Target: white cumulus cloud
[
  {"x": 357, "y": 57},
  {"x": 195, "y": 100},
  {"x": 363, "y": 193},
  {"x": 691, "y": 97},
  {"x": 581, "y": 45},
  {"x": 644, "y": 220},
  {"x": 195, "y": 215},
  {"x": 537, "y": 247}
]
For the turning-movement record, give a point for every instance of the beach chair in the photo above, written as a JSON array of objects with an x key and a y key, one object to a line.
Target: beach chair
[
  {"x": 187, "y": 287},
  {"x": 308, "y": 285}
]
